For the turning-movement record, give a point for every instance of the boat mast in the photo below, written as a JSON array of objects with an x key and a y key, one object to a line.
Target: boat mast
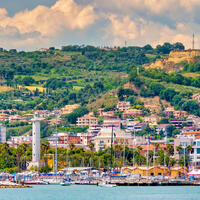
[
  {"x": 111, "y": 151},
  {"x": 56, "y": 156}
]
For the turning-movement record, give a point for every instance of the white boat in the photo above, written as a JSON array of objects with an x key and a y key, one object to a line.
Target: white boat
[
  {"x": 107, "y": 185},
  {"x": 65, "y": 184},
  {"x": 54, "y": 182}
]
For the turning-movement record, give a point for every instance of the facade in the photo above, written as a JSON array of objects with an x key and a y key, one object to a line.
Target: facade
[
  {"x": 15, "y": 141},
  {"x": 132, "y": 113},
  {"x": 87, "y": 120},
  {"x": 184, "y": 141},
  {"x": 2, "y": 134},
  {"x": 106, "y": 137},
  {"x": 123, "y": 105},
  {"x": 180, "y": 122},
  {"x": 109, "y": 122},
  {"x": 139, "y": 127},
  {"x": 151, "y": 120},
  {"x": 169, "y": 111},
  {"x": 180, "y": 114}
]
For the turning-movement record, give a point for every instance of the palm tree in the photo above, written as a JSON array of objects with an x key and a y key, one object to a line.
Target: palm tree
[
  {"x": 189, "y": 149},
  {"x": 91, "y": 146},
  {"x": 179, "y": 149},
  {"x": 71, "y": 146},
  {"x": 44, "y": 149},
  {"x": 170, "y": 149},
  {"x": 156, "y": 146}
]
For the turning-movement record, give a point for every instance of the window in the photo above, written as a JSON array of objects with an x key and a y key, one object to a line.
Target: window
[
  {"x": 101, "y": 141},
  {"x": 198, "y": 150},
  {"x": 198, "y": 143}
]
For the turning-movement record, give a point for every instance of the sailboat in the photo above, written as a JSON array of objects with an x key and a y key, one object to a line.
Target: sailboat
[
  {"x": 66, "y": 181},
  {"x": 106, "y": 183}
]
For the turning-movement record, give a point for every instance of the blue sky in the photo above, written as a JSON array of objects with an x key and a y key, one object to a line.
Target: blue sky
[{"x": 33, "y": 24}]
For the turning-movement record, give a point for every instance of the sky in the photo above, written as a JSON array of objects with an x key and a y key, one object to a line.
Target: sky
[{"x": 35, "y": 24}]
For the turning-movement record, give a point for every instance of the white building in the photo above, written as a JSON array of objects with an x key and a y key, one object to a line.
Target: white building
[{"x": 2, "y": 134}]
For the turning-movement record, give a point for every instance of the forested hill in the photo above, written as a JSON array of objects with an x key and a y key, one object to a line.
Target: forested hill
[
  {"x": 78, "y": 57},
  {"x": 52, "y": 77}
]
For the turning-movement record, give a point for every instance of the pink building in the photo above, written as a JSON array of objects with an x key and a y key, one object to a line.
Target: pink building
[{"x": 109, "y": 122}]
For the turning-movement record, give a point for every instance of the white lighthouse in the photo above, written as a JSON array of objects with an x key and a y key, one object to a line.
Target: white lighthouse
[{"x": 36, "y": 141}]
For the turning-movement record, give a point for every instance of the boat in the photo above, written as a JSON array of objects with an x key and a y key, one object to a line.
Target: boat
[
  {"x": 65, "y": 183},
  {"x": 54, "y": 182},
  {"x": 35, "y": 182},
  {"x": 107, "y": 185}
]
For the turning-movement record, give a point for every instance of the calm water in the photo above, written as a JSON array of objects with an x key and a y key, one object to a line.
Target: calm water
[{"x": 76, "y": 192}]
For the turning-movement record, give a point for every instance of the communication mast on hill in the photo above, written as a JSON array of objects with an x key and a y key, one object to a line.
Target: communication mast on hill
[
  {"x": 125, "y": 43},
  {"x": 193, "y": 41}
]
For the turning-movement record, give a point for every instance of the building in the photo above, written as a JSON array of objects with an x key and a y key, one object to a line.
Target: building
[
  {"x": 151, "y": 120},
  {"x": 2, "y": 134},
  {"x": 108, "y": 136},
  {"x": 94, "y": 129},
  {"x": 196, "y": 97},
  {"x": 112, "y": 122},
  {"x": 123, "y": 105},
  {"x": 169, "y": 112},
  {"x": 139, "y": 127},
  {"x": 163, "y": 128},
  {"x": 64, "y": 139},
  {"x": 36, "y": 141},
  {"x": 87, "y": 120},
  {"x": 43, "y": 113},
  {"x": 102, "y": 113},
  {"x": 179, "y": 123},
  {"x": 85, "y": 138},
  {"x": 132, "y": 113},
  {"x": 180, "y": 114},
  {"x": 15, "y": 141}
]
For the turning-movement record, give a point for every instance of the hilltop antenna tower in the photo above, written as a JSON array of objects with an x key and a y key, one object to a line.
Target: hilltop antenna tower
[{"x": 193, "y": 41}]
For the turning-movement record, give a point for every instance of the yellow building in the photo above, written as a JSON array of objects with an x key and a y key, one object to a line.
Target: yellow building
[
  {"x": 156, "y": 171},
  {"x": 147, "y": 171},
  {"x": 104, "y": 138}
]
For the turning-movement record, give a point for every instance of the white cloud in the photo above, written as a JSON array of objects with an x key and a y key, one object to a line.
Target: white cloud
[
  {"x": 49, "y": 21},
  {"x": 121, "y": 30},
  {"x": 141, "y": 32}
]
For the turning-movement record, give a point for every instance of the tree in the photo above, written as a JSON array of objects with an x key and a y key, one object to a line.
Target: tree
[
  {"x": 170, "y": 149},
  {"x": 71, "y": 146},
  {"x": 91, "y": 146},
  {"x": 28, "y": 81},
  {"x": 179, "y": 149}
]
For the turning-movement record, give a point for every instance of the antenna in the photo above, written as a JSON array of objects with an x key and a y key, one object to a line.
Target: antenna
[
  {"x": 193, "y": 41},
  {"x": 125, "y": 43}
]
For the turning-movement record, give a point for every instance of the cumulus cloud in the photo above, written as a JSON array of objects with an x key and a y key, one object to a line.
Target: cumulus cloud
[
  {"x": 47, "y": 21},
  {"x": 102, "y": 22},
  {"x": 50, "y": 20},
  {"x": 141, "y": 32},
  {"x": 121, "y": 30}
]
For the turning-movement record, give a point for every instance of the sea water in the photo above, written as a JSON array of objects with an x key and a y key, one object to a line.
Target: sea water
[{"x": 82, "y": 192}]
